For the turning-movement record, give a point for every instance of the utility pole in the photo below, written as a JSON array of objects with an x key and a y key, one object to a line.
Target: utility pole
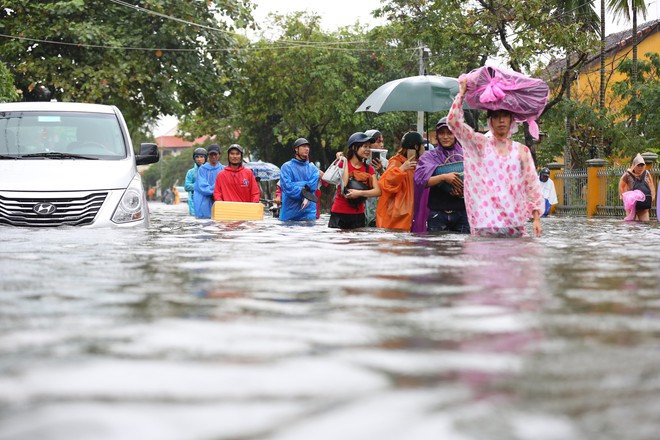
[
  {"x": 420, "y": 115},
  {"x": 601, "y": 105},
  {"x": 567, "y": 122}
]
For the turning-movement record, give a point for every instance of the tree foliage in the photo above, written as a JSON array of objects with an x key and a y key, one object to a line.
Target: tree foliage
[
  {"x": 642, "y": 99},
  {"x": 519, "y": 33},
  {"x": 7, "y": 88},
  {"x": 170, "y": 171},
  {"x": 306, "y": 83},
  {"x": 621, "y": 139},
  {"x": 107, "y": 51}
]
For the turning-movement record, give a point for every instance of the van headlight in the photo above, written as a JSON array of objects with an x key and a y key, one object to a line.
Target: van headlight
[{"x": 130, "y": 207}]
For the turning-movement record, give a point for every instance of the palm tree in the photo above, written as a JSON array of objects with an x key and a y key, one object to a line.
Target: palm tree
[
  {"x": 622, "y": 9},
  {"x": 571, "y": 11},
  {"x": 601, "y": 106}
]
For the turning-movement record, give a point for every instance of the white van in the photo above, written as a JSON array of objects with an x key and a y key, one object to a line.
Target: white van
[{"x": 70, "y": 164}]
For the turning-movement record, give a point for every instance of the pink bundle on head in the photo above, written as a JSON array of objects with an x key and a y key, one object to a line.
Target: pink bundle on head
[
  {"x": 490, "y": 88},
  {"x": 630, "y": 199}
]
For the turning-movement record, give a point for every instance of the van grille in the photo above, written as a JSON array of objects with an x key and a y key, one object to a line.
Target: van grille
[{"x": 43, "y": 211}]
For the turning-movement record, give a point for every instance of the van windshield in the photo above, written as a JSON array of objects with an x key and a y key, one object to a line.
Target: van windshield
[{"x": 60, "y": 135}]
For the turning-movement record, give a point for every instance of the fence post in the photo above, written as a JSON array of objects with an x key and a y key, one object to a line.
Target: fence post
[
  {"x": 595, "y": 196},
  {"x": 555, "y": 168},
  {"x": 650, "y": 158}
]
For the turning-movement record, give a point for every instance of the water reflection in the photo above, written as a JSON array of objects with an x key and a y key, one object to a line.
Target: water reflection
[{"x": 196, "y": 329}]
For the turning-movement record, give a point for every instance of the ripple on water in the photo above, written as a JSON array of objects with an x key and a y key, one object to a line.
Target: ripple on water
[{"x": 197, "y": 329}]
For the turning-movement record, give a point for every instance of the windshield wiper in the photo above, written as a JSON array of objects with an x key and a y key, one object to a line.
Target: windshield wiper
[
  {"x": 58, "y": 155},
  {"x": 2, "y": 156}
]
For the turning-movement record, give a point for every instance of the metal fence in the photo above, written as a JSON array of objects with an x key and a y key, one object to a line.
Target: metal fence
[
  {"x": 608, "y": 179},
  {"x": 573, "y": 184}
]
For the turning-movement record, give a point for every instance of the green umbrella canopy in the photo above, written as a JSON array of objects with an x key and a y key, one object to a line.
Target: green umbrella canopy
[{"x": 423, "y": 93}]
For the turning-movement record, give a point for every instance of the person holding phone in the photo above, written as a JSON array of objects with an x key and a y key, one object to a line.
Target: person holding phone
[
  {"x": 396, "y": 204},
  {"x": 379, "y": 165}
]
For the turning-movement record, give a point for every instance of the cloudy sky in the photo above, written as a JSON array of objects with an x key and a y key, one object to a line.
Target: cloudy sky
[
  {"x": 337, "y": 13},
  {"x": 334, "y": 13}
]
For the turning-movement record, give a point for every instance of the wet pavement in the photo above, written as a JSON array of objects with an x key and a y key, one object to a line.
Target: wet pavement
[{"x": 202, "y": 330}]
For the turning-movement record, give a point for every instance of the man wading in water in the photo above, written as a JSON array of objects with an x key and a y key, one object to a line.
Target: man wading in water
[{"x": 502, "y": 190}]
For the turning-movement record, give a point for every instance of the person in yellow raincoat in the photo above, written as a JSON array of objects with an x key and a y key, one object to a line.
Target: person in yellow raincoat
[{"x": 396, "y": 204}]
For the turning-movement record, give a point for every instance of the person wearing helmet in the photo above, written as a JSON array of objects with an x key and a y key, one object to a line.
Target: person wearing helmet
[
  {"x": 396, "y": 206},
  {"x": 299, "y": 179},
  {"x": 439, "y": 202},
  {"x": 199, "y": 159},
  {"x": 501, "y": 188},
  {"x": 235, "y": 183},
  {"x": 359, "y": 181},
  {"x": 548, "y": 190},
  {"x": 205, "y": 183}
]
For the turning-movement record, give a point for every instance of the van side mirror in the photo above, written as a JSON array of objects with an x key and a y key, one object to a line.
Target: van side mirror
[{"x": 148, "y": 154}]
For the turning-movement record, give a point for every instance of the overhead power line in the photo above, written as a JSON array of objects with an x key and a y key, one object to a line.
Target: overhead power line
[
  {"x": 275, "y": 46},
  {"x": 169, "y": 17}
]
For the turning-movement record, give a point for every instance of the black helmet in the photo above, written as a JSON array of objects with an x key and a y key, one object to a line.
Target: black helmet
[
  {"x": 411, "y": 139},
  {"x": 199, "y": 152},
  {"x": 299, "y": 142},
  {"x": 544, "y": 172}
]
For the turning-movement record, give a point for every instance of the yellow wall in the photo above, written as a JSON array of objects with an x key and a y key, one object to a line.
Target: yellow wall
[{"x": 587, "y": 87}]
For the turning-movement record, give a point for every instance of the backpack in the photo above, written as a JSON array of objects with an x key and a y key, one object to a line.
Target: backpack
[{"x": 643, "y": 186}]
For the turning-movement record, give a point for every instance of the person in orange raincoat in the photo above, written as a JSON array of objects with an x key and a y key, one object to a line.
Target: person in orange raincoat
[{"x": 396, "y": 204}]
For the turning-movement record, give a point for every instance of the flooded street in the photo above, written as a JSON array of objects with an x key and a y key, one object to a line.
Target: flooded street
[{"x": 202, "y": 330}]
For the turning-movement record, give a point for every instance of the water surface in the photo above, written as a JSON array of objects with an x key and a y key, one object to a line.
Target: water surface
[{"x": 202, "y": 330}]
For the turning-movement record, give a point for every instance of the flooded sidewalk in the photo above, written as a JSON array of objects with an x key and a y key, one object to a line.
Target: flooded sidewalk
[{"x": 195, "y": 329}]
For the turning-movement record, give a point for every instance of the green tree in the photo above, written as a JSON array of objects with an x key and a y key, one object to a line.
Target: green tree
[
  {"x": 135, "y": 57},
  {"x": 646, "y": 134},
  {"x": 305, "y": 83},
  {"x": 570, "y": 12},
  {"x": 621, "y": 140},
  {"x": 518, "y": 32},
  {"x": 170, "y": 171},
  {"x": 7, "y": 88},
  {"x": 622, "y": 9}
]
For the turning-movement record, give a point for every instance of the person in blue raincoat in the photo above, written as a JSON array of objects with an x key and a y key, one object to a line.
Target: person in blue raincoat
[
  {"x": 205, "y": 183},
  {"x": 199, "y": 158},
  {"x": 299, "y": 179}
]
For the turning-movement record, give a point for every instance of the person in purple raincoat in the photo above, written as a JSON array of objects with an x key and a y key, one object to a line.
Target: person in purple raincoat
[{"x": 436, "y": 207}]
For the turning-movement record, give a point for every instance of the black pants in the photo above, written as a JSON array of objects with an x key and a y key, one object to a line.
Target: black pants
[
  {"x": 453, "y": 221},
  {"x": 347, "y": 221}
]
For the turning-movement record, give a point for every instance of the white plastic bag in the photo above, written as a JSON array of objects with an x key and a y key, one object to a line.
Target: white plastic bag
[{"x": 334, "y": 173}]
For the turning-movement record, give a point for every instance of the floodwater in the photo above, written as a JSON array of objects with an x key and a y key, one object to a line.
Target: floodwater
[{"x": 202, "y": 330}]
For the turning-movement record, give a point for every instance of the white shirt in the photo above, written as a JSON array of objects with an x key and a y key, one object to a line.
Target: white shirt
[{"x": 549, "y": 192}]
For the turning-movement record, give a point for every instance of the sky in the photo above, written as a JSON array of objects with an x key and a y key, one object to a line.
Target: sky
[
  {"x": 334, "y": 13},
  {"x": 338, "y": 13}
]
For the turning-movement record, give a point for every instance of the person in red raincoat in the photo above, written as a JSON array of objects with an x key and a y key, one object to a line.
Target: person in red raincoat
[{"x": 235, "y": 183}]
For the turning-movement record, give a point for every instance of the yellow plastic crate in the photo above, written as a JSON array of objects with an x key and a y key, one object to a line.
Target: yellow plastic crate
[{"x": 237, "y": 211}]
